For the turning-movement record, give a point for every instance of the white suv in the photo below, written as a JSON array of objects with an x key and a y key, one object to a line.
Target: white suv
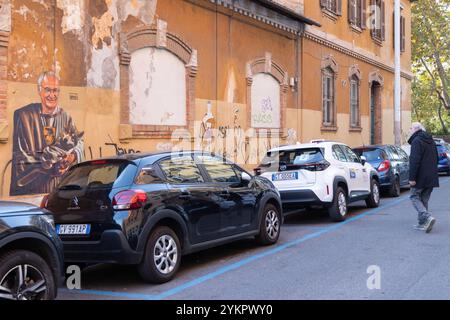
[{"x": 323, "y": 173}]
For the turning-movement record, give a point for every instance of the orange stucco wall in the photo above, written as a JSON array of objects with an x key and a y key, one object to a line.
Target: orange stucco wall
[{"x": 85, "y": 54}]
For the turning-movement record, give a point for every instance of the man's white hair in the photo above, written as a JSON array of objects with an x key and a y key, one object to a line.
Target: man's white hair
[
  {"x": 416, "y": 126},
  {"x": 44, "y": 76}
]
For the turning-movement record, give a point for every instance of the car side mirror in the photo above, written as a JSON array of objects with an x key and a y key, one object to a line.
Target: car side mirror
[
  {"x": 246, "y": 177},
  {"x": 363, "y": 160}
]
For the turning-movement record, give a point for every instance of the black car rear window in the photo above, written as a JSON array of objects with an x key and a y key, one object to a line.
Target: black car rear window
[
  {"x": 294, "y": 156},
  {"x": 99, "y": 175},
  {"x": 373, "y": 154}
]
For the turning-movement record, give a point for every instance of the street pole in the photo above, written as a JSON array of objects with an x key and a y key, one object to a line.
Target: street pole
[{"x": 397, "y": 85}]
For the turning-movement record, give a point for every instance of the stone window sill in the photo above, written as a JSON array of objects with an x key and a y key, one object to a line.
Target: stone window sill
[
  {"x": 355, "y": 129},
  {"x": 356, "y": 28},
  {"x": 378, "y": 41},
  {"x": 329, "y": 128},
  {"x": 330, "y": 14}
]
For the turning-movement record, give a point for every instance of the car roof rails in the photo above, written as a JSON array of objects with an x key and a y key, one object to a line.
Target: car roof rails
[{"x": 321, "y": 140}]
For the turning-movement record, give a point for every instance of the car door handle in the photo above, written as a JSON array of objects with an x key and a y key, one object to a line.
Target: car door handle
[
  {"x": 185, "y": 196},
  {"x": 225, "y": 194}
]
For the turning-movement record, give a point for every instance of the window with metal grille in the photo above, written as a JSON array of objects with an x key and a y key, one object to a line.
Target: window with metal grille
[
  {"x": 354, "y": 102},
  {"x": 378, "y": 18},
  {"x": 328, "y": 93}
]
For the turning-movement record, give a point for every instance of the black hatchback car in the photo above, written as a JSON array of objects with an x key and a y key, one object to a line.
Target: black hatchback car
[
  {"x": 31, "y": 253},
  {"x": 150, "y": 209},
  {"x": 392, "y": 164}
]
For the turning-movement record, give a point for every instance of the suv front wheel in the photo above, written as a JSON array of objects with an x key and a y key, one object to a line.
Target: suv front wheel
[
  {"x": 338, "y": 210},
  {"x": 162, "y": 256},
  {"x": 25, "y": 276}
]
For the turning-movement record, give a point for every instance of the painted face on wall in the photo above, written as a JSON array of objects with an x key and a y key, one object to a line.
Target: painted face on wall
[{"x": 49, "y": 94}]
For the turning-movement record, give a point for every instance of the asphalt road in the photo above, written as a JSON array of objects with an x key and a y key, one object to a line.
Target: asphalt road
[{"x": 314, "y": 259}]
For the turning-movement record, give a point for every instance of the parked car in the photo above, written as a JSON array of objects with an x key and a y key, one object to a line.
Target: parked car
[
  {"x": 443, "y": 151},
  {"x": 324, "y": 173},
  {"x": 150, "y": 209},
  {"x": 440, "y": 141},
  {"x": 392, "y": 164},
  {"x": 31, "y": 253}
]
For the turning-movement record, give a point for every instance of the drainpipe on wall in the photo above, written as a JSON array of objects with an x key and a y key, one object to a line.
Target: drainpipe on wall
[{"x": 397, "y": 81}]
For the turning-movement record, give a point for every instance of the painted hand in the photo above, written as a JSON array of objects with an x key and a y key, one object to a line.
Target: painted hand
[{"x": 67, "y": 162}]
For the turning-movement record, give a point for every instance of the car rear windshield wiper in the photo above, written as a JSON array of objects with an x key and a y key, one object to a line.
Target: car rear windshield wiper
[{"x": 70, "y": 187}]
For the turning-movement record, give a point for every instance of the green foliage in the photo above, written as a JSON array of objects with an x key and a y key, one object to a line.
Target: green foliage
[{"x": 431, "y": 63}]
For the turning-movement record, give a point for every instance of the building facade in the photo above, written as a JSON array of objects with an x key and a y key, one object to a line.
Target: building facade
[{"x": 231, "y": 76}]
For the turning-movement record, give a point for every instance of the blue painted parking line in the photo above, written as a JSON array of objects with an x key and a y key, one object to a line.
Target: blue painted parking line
[
  {"x": 117, "y": 294},
  {"x": 245, "y": 261}
]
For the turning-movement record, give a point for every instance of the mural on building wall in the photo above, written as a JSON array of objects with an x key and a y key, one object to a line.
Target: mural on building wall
[{"x": 46, "y": 141}]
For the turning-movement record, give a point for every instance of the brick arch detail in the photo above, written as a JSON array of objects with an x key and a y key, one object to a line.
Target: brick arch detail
[
  {"x": 329, "y": 62},
  {"x": 4, "y": 43},
  {"x": 376, "y": 77},
  {"x": 354, "y": 71},
  {"x": 150, "y": 37}
]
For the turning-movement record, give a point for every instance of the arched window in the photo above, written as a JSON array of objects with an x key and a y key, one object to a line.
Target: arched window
[{"x": 157, "y": 83}]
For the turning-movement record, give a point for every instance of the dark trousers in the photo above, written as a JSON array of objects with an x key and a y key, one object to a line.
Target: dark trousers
[{"x": 419, "y": 199}]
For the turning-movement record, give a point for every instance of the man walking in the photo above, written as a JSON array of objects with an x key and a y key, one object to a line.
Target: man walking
[{"x": 423, "y": 174}]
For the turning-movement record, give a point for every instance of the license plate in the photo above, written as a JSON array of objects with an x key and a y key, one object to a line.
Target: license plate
[
  {"x": 73, "y": 229},
  {"x": 285, "y": 176}
]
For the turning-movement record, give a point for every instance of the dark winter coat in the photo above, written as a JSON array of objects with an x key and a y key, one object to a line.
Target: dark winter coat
[{"x": 423, "y": 161}]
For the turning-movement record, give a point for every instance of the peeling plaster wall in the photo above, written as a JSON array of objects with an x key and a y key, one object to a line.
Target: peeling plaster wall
[
  {"x": 103, "y": 66},
  {"x": 5, "y": 15},
  {"x": 73, "y": 15},
  {"x": 77, "y": 38}
]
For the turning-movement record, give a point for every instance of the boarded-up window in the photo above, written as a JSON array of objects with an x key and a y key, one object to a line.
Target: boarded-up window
[
  {"x": 265, "y": 93},
  {"x": 157, "y": 88}
]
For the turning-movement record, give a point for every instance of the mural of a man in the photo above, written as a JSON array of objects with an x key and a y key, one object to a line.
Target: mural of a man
[{"x": 45, "y": 141}]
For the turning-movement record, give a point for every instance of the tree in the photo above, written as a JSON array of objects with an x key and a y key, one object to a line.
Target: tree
[{"x": 431, "y": 61}]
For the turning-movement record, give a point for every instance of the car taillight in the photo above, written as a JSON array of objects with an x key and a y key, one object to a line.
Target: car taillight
[
  {"x": 129, "y": 200},
  {"x": 44, "y": 202},
  {"x": 443, "y": 155},
  {"x": 385, "y": 165}
]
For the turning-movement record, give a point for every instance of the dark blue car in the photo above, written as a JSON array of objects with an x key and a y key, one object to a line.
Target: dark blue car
[
  {"x": 444, "y": 158},
  {"x": 392, "y": 164}
]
